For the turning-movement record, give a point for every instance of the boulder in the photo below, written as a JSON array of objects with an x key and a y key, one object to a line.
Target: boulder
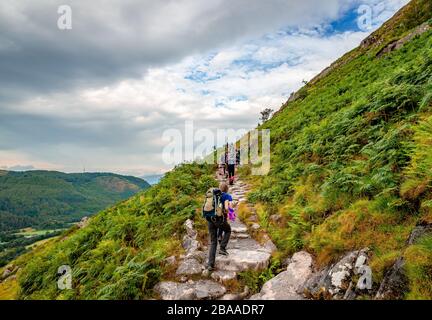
[
  {"x": 395, "y": 282},
  {"x": 223, "y": 276},
  {"x": 200, "y": 256},
  {"x": 171, "y": 260},
  {"x": 174, "y": 291},
  {"x": 6, "y": 273},
  {"x": 192, "y": 290},
  {"x": 418, "y": 232},
  {"x": 189, "y": 267},
  {"x": 236, "y": 296},
  {"x": 190, "y": 244},
  {"x": 269, "y": 245},
  {"x": 335, "y": 282},
  {"x": 241, "y": 260},
  {"x": 189, "y": 227},
  {"x": 83, "y": 223},
  {"x": 255, "y": 226},
  {"x": 275, "y": 218},
  {"x": 288, "y": 285}
]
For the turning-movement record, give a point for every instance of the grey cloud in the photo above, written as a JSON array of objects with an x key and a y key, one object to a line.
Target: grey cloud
[{"x": 121, "y": 39}]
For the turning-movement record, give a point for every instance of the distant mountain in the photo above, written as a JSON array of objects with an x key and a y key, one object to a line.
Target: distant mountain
[
  {"x": 51, "y": 199},
  {"x": 153, "y": 179}
]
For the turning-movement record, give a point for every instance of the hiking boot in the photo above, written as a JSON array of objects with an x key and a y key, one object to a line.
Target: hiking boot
[
  {"x": 210, "y": 269},
  {"x": 223, "y": 252}
]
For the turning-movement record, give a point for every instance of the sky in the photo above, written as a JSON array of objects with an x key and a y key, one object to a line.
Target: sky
[{"x": 100, "y": 96}]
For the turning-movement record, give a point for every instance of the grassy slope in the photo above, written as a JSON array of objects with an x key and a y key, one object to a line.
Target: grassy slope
[
  {"x": 120, "y": 254},
  {"x": 41, "y": 198},
  {"x": 352, "y": 157}
]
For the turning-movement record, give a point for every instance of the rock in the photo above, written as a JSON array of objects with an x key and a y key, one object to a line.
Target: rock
[
  {"x": 190, "y": 231},
  {"x": 335, "y": 282},
  {"x": 236, "y": 296},
  {"x": 288, "y": 285},
  {"x": 240, "y": 236},
  {"x": 419, "y": 232},
  {"x": 256, "y": 226},
  {"x": 350, "y": 294},
  {"x": 242, "y": 260},
  {"x": 200, "y": 256},
  {"x": 175, "y": 291},
  {"x": 83, "y": 223},
  {"x": 270, "y": 246},
  {"x": 171, "y": 260},
  {"x": 396, "y": 45},
  {"x": 395, "y": 282},
  {"x": 199, "y": 290},
  {"x": 189, "y": 267},
  {"x": 190, "y": 244},
  {"x": 275, "y": 218},
  {"x": 6, "y": 273},
  {"x": 207, "y": 289},
  {"x": 183, "y": 279},
  {"x": 238, "y": 228},
  {"x": 253, "y": 218},
  {"x": 223, "y": 276}
]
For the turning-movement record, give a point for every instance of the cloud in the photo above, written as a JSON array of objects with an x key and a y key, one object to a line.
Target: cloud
[{"x": 101, "y": 95}]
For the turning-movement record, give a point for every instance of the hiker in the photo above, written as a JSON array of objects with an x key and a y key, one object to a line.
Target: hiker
[
  {"x": 238, "y": 159},
  {"x": 232, "y": 159},
  {"x": 226, "y": 161},
  {"x": 219, "y": 223}
]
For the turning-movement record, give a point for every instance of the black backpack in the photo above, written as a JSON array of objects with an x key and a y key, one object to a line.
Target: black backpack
[{"x": 213, "y": 206}]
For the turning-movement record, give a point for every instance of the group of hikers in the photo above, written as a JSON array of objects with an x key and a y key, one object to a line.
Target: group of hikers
[
  {"x": 218, "y": 208},
  {"x": 228, "y": 162}
]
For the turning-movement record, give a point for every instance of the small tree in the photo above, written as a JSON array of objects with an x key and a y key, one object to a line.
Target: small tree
[{"x": 266, "y": 114}]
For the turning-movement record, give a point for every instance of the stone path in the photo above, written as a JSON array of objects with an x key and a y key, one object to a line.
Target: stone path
[{"x": 194, "y": 282}]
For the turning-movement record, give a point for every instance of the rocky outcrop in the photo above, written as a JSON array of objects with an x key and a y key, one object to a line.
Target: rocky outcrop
[
  {"x": 396, "y": 45},
  {"x": 189, "y": 267},
  {"x": 418, "y": 232},
  {"x": 395, "y": 282},
  {"x": 288, "y": 285},
  {"x": 337, "y": 281},
  {"x": 83, "y": 223},
  {"x": 9, "y": 271}
]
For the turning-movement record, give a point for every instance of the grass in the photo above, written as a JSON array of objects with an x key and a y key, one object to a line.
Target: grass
[{"x": 120, "y": 254}]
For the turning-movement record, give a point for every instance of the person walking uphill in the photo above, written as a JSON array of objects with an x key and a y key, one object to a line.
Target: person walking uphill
[
  {"x": 232, "y": 159},
  {"x": 216, "y": 208}
]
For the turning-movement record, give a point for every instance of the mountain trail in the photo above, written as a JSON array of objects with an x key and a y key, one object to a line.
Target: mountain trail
[{"x": 194, "y": 282}]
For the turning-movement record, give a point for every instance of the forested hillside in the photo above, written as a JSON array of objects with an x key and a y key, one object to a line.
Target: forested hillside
[{"x": 48, "y": 199}]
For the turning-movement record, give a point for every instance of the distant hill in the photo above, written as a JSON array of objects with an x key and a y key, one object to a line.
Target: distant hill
[
  {"x": 47, "y": 199},
  {"x": 153, "y": 179}
]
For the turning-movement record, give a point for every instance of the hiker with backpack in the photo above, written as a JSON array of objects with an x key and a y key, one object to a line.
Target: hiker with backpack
[{"x": 216, "y": 209}]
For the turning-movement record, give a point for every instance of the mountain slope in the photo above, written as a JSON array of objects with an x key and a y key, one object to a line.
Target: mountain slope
[
  {"x": 351, "y": 154},
  {"x": 50, "y": 199}
]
